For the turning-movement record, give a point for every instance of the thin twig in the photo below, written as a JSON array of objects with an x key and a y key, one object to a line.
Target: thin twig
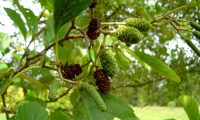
[
  {"x": 165, "y": 15},
  {"x": 112, "y": 23},
  {"x": 86, "y": 64},
  {"x": 89, "y": 46},
  {"x": 62, "y": 95},
  {"x": 70, "y": 36},
  {"x": 5, "y": 107},
  {"x": 138, "y": 84},
  {"x": 63, "y": 79},
  {"x": 187, "y": 40}
]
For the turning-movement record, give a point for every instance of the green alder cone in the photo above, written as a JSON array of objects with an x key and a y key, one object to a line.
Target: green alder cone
[
  {"x": 195, "y": 25},
  {"x": 196, "y": 34},
  {"x": 53, "y": 90},
  {"x": 108, "y": 62},
  {"x": 94, "y": 94},
  {"x": 141, "y": 24},
  {"x": 129, "y": 35}
]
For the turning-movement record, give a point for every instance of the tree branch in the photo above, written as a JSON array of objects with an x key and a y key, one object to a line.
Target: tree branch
[
  {"x": 5, "y": 107},
  {"x": 187, "y": 40},
  {"x": 138, "y": 84},
  {"x": 70, "y": 36},
  {"x": 62, "y": 95},
  {"x": 191, "y": 4}
]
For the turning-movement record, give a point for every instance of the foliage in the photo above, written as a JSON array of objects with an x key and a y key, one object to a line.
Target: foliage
[
  {"x": 191, "y": 107},
  {"x": 154, "y": 69}
]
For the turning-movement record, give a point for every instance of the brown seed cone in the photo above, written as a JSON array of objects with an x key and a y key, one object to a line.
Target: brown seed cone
[
  {"x": 93, "y": 29},
  {"x": 102, "y": 81},
  {"x": 71, "y": 71},
  {"x": 94, "y": 3}
]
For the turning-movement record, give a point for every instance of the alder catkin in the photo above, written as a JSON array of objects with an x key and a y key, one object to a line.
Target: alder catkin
[
  {"x": 129, "y": 35},
  {"x": 94, "y": 94},
  {"x": 141, "y": 24},
  {"x": 108, "y": 62}
]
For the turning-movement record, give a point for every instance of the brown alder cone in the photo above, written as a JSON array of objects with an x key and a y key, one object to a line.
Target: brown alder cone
[
  {"x": 102, "y": 80},
  {"x": 71, "y": 71},
  {"x": 94, "y": 3},
  {"x": 93, "y": 29}
]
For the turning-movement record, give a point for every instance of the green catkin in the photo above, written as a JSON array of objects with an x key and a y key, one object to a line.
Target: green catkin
[
  {"x": 195, "y": 25},
  {"x": 108, "y": 62},
  {"x": 196, "y": 34},
  {"x": 53, "y": 90},
  {"x": 129, "y": 35},
  {"x": 141, "y": 24},
  {"x": 94, "y": 94}
]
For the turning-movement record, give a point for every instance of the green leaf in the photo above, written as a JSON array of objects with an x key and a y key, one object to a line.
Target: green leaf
[
  {"x": 135, "y": 56},
  {"x": 117, "y": 108},
  {"x": 45, "y": 76},
  {"x": 66, "y": 10},
  {"x": 49, "y": 31},
  {"x": 74, "y": 96},
  {"x": 4, "y": 42},
  {"x": 31, "y": 19},
  {"x": 86, "y": 109},
  {"x": 69, "y": 52},
  {"x": 47, "y": 4},
  {"x": 159, "y": 66},
  {"x": 122, "y": 61},
  {"x": 31, "y": 98},
  {"x": 3, "y": 67},
  {"x": 190, "y": 106},
  {"x": 31, "y": 111},
  {"x": 154, "y": 63},
  {"x": 17, "y": 20},
  {"x": 59, "y": 115}
]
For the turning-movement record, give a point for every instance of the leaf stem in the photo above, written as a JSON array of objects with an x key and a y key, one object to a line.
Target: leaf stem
[{"x": 112, "y": 23}]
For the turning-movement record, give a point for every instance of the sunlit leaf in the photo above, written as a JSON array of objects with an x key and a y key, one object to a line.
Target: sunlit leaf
[
  {"x": 122, "y": 61},
  {"x": 47, "y": 4},
  {"x": 17, "y": 20},
  {"x": 33, "y": 111},
  {"x": 190, "y": 106},
  {"x": 86, "y": 109},
  {"x": 49, "y": 31},
  {"x": 59, "y": 115},
  {"x": 31, "y": 19},
  {"x": 4, "y": 41},
  {"x": 158, "y": 66},
  {"x": 155, "y": 64},
  {"x": 66, "y": 10}
]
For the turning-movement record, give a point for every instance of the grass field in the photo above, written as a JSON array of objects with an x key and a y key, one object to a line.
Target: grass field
[
  {"x": 2, "y": 116},
  {"x": 160, "y": 113},
  {"x": 152, "y": 113}
]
